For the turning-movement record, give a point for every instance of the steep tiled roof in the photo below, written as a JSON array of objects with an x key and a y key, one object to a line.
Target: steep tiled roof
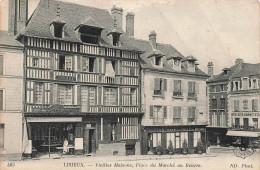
[
  {"x": 73, "y": 15},
  {"x": 169, "y": 52},
  {"x": 248, "y": 70},
  {"x": 224, "y": 77},
  {"x": 6, "y": 39}
]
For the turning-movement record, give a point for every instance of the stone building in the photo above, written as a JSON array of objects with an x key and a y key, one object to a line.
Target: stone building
[
  {"x": 82, "y": 79},
  {"x": 11, "y": 92}
]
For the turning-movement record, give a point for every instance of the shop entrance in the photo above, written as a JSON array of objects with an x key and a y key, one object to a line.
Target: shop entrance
[{"x": 89, "y": 139}]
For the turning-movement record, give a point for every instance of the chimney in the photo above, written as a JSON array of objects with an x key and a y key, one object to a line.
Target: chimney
[
  {"x": 152, "y": 39},
  {"x": 18, "y": 15},
  {"x": 239, "y": 60},
  {"x": 210, "y": 69},
  {"x": 117, "y": 14},
  {"x": 130, "y": 24}
]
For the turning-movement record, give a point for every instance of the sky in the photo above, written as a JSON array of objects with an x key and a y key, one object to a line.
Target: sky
[{"x": 210, "y": 30}]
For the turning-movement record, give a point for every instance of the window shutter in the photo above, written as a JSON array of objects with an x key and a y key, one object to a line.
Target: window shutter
[
  {"x": 96, "y": 65},
  {"x": 175, "y": 112},
  {"x": 152, "y": 83},
  {"x": 1, "y": 100},
  {"x": 1, "y": 64},
  {"x": 165, "y": 84},
  {"x": 189, "y": 112},
  {"x": 179, "y": 112},
  {"x": 156, "y": 83},
  {"x": 184, "y": 87},
  {"x": 196, "y": 87},
  {"x": 175, "y": 89},
  {"x": 165, "y": 112},
  {"x": 151, "y": 111},
  {"x": 189, "y": 86},
  {"x": 100, "y": 65},
  {"x": 256, "y": 104},
  {"x": 78, "y": 95}
]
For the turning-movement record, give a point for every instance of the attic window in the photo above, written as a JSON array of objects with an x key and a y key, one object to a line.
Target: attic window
[
  {"x": 158, "y": 60},
  {"x": 58, "y": 29},
  {"x": 191, "y": 64},
  {"x": 116, "y": 40},
  {"x": 89, "y": 35},
  {"x": 176, "y": 62}
]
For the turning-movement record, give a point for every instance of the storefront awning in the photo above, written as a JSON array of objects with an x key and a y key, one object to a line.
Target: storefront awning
[
  {"x": 242, "y": 133},
  {"x": 54, "y": 119}
]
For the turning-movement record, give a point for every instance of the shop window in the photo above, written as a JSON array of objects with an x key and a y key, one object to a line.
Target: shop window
[
  {"x": 178, "y": 142},
  {"x": 110, "y": 96},
  {"x": 160, "y": 85},
  {"x": 177, "y": 88},
  {"x": 214, "y": 103},
  {"x": 2, "y": 135},
  {"x": 1, "y": 64},
  {"x": 196, "y": 138},
  {"x": 255, "y": 122},
  {"x": 157, "y": 139},
  {"x": 170, "y": 137},
  {"x": 65, "y": 63},
  {"x": 176, "y": 114},
  {"x": 236, "y": 105},
  {"x": 35, "y": 62},
  {"x": 222, "y": 103},
  {"x": 1, "y": 99},
  {"x": 183, "y": 136},
  {"x": 39, "y": 93},
  {"x": 65, "y": 94},
  {"x": 245, "y": 104},
  {"x": 88, "y": 64},
  {"x": 191, "y": 114},
  {"x": 254, "y": 105}
]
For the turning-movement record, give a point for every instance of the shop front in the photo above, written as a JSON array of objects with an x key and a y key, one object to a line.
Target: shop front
[
  {"x": 48, "y": 135},
  {"x": 155, "y": 136}
]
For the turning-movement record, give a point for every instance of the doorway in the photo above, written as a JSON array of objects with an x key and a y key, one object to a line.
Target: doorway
[{"x": 89, "y": 139}]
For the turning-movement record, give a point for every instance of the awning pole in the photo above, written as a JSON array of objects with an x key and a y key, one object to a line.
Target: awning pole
[{"x": 49, "y": 141}]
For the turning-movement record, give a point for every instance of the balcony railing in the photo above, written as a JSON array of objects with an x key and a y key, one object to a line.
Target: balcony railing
[
  {"x": 177, "y": 94},
  {"x": 48, "y": 108},
  {"x": 243, "y": 128}
]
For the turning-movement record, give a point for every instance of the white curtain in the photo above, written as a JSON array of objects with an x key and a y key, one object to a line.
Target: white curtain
[{"x": 110, "y": 72}]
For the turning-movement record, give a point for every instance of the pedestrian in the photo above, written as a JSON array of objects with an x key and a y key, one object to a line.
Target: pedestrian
[
  {"x": 208, "y": 148},
  {"x": 65, "y": 146}
]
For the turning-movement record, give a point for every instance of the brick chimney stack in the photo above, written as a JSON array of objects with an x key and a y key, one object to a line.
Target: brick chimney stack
[
  {"x": 210, "y": 70},
  {"x": 130, "y": 23},
  {"x": 18, "y": 16},
  {"x": 239, "y": 60},
  {"x": 152, "y": 39},
  {"x": 117, "y": 13}
]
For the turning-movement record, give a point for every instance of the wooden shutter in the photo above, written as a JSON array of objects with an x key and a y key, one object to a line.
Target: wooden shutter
[
  {"x": 196, "y": 87},
  {"x": 165, "y": 84},
  {"x": 157, "y": 84},
  {"x": 79, "y": 95},
  {"x": 1, "y": 100},
  {"x": 100, "y": 65},
  {"x": 151, "y": 111},
  {"x": 152, "y": 82},
  {"x": 96, "y": 65},
  {"x": 189, "y": 112},
  {"x": 165, "y": 112}
]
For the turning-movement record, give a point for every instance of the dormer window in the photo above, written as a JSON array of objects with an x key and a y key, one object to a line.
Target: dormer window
[
  {"x": 58, "y": 30},
  {"x": 189, "y": 62},
  {"x": 89, "y": 31},
  {"x": 176, "y": 62},
  {"x": 226, "y": 71},
  {"x": 115, "y": 34},
  {"x": 158, "y": 60}
]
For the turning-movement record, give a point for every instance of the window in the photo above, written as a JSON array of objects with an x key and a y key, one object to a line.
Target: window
[
  {"x": 236, "y": 105},
  {"x": 158, "y": 114},
  {"x": 176, "y": 62},
  {"x": 254, "y": 84},
  {"x": 92, "y": 95},
  {"x": 222, "y": 103},
  {"x": 1, "y": 64},
  {"x": 89, "y": 34},
  {"x": 254, "y": 104},
  {"x": 214, "y": 119},
  {"x": 129, "y": 96},
  {"x": 110, "y": 96},
  {"x": 113, "y": 131},
  {"x": 183, "y": 136},
  {"x": 158, "y": 60},
  {"x": 157, "y": 138},
  {"x": 237, "y": 122},
  {"x": 65, "y": 63},
  {"x": 88, "y": 64},
  {"x": 191, "y": 64},
  {"x": 191, "y": 89},
  {"x": 214, "y": 104},
  {"x": 255, "y": 122},
  {"x": 110, "y": 68},
  {"x": 177, "y": 88},
  {"x": 170, "y": 137},
  {"x": 65, "y": 94},
  {"x": 116, "y": 40},
  {"x": 222, "y": 120},
  {"x": 58, "y": 30},
  {"x": 223, "y": 87},
  {"x": 178, "y": 142},
  {"x": 236, "y": 86},
  {"x": 2, "y": 132},
  {"x": 130, "y": 128},
  {"x": 197, "y": 137},
  {"x": 213, "y": 88},
  {"x": 133, "y": 97},
  {"x": 35, "y": 62},
  {"x": 1, "y": 99},
  {"x": 191, "y": 114},
  {"x": 39, "y": 93},
  {"x": 176, "y": 114},
  {"x": 160, "y": 85},
  {"x": 245, "y": 104},
  {"x": 245, "y": 83}
]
